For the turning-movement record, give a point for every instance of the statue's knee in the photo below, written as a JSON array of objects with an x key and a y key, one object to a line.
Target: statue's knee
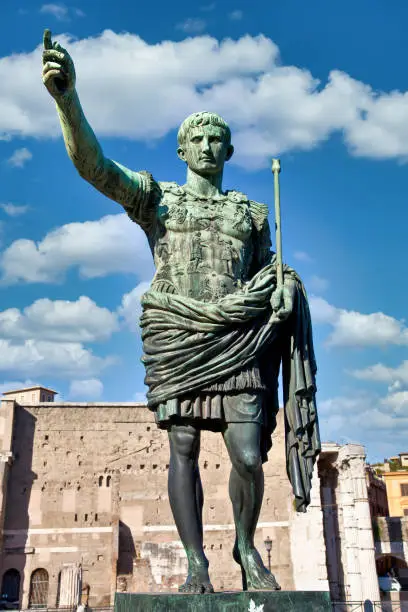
[
  {"x": 248, "y": 462},
  {"x": 184, "y": 445}
]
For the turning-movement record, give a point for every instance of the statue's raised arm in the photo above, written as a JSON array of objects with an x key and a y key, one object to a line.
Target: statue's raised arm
[{"x": 131, "y": 189}]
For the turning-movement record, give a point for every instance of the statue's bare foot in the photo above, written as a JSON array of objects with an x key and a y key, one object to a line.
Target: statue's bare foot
[
  {"x": 198, "y": 582},
  {"x": 255, "y": 576}
]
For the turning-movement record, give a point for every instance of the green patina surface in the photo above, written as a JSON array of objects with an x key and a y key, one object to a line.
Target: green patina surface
[
  {"x": 216, "y": 326},
  {"x": 262, "y": 601}
]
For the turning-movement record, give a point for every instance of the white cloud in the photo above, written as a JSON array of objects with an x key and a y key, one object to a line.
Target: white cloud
[
  {"x": 59, "y": 321},
  {"x": 272, "y": 108},
  {"x": 130, "y": 308},
  {"x": 317, "y": 284},
  {"x": 39, "y": 358},
  {"x": 59, "y": 11},
  {"x": 381, "y": 423},
  {"x": 90, "y": 389},
  {"x": 192, "y": 25},
  {"x": 381, "y": 373},
  {"x": 302, "y": 256},
  {"x": 19, "y": 157},
  {"x": 352, "y": 328},
  {"x": 98, "y": 248},
  {"x": 13, "y": 210},
  {"x": 236, "y": 15},
  {"x": 322, "y": 311}
]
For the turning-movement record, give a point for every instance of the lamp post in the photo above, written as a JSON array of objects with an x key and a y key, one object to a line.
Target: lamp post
[{"x": 268, "y": 546}]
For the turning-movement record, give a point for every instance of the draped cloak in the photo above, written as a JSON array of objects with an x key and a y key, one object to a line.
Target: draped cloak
[{"x": 190, "y": 344}]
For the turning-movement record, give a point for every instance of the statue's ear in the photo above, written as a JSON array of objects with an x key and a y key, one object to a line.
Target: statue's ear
[
  {"x": 181, "y": 154},
  {"x": 230, "y": 153}
]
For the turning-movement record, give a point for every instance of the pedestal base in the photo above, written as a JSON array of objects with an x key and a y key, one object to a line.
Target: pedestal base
[{"x": 257, "y": 601}]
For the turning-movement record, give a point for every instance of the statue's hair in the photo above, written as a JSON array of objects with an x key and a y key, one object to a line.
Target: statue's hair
[{"x": 202, "y": 118}]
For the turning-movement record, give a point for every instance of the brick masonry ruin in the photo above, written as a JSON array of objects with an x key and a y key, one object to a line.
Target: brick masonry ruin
[{"x": 85, "y": 486}]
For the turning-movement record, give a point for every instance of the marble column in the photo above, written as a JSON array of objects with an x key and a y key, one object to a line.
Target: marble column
[
  {"x": 357, "y": 536},
  {"x": 70, "y": 586}
]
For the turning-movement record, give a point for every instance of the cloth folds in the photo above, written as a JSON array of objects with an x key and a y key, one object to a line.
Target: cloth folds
[{"x": 189, "y": 345}]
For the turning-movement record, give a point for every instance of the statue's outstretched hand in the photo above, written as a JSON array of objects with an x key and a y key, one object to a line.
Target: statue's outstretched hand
[
  {"x": 282, "y": 299},
  {"x": 58, "y": 68}
]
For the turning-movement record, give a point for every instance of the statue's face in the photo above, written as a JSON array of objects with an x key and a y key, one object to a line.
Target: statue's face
[{"x": 206, "y": 150}]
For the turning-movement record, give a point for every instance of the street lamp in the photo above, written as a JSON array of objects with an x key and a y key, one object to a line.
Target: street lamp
[{"x": 268, "y": 546}]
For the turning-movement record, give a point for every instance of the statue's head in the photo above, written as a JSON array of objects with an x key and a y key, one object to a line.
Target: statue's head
[{"x": 204, "y": 141}]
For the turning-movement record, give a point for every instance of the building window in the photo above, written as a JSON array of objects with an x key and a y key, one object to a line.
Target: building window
[
  {"x": 100, "y": 480},
  {"x": 108, "y": 481},
  {"x": 10, "y": 586},
  {"x": 404, "y": 490},
  {"x": 405, "y": 511},
  {"x": 38, "y": 589}
]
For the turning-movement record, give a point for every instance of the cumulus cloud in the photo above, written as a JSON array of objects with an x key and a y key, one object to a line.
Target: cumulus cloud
[
  {"x": 352, "y": 328},
  {"x": 59, "y": 11},
  {"x": 20, "y": 156},
  {"x": 13, "y": 210},
  {"x": 97, "y": 248},
  {"x": 379, "y": 372},
  {"x": 192, "y": 25},
  {"x": 130, "y": 308},
  {"x": 236, "y": 15},
  {"x": 317, "y": 284},
  {"x": 381, "y": 423},
  {"x": 39, "y": 358},
  {"x": 59, "y": 321},
  {"x": 89, "y": 389},
  {"x": 272, "y": 107}
]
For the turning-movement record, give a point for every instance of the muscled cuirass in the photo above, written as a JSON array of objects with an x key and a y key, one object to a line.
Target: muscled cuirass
[{"x": 203, "y": 247}]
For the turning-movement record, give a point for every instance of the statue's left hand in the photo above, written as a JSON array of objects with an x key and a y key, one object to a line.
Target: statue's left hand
[{"x": 282, "y": 299}]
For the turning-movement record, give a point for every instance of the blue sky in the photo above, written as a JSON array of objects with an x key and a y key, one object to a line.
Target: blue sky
[{"x": 322, "y": 85}]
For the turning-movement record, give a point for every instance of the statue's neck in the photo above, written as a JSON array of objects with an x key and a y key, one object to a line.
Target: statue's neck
[{"x": 206, "y": 186}]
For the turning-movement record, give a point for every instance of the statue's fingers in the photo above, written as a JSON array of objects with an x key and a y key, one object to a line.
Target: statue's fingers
[
  {"x": 49, "y": 76},
  {"x": 47, "y": 40},
  {"x": 52, "y": 66},
  {"x": 53, "y": 54}
]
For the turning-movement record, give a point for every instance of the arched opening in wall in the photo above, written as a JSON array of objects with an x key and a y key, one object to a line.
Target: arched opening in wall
[
  {"x": 100, "y": 481},
  {"x": 38, "y": 597},
  {"x": 391, "y": 566},
  {"x": 108, "y": 481},
  {"x": 10, "y": 587}
]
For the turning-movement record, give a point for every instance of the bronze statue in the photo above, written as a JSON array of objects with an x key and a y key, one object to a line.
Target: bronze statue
[{"x": 216, "y": 324}]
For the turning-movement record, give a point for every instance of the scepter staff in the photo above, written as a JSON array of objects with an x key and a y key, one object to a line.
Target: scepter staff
[{"x": 279, "y": 263}]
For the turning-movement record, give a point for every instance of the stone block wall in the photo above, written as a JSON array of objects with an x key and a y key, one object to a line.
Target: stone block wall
[{"x": 88, "y": 485}]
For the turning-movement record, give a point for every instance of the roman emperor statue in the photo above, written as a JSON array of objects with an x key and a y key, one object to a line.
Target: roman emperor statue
[{"x": 216, "y": 326}]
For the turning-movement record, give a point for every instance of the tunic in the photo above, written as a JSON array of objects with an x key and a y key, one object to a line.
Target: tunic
[{"x": 205, "y": 248}]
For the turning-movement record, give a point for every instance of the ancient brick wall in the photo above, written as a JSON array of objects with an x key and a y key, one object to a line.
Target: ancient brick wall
[{"x": 89, "y": 485}]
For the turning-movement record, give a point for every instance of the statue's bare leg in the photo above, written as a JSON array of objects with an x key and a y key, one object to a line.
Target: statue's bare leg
[
  {"x": 246, "y": 487},
  {"x": 186, "y": 501}
]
